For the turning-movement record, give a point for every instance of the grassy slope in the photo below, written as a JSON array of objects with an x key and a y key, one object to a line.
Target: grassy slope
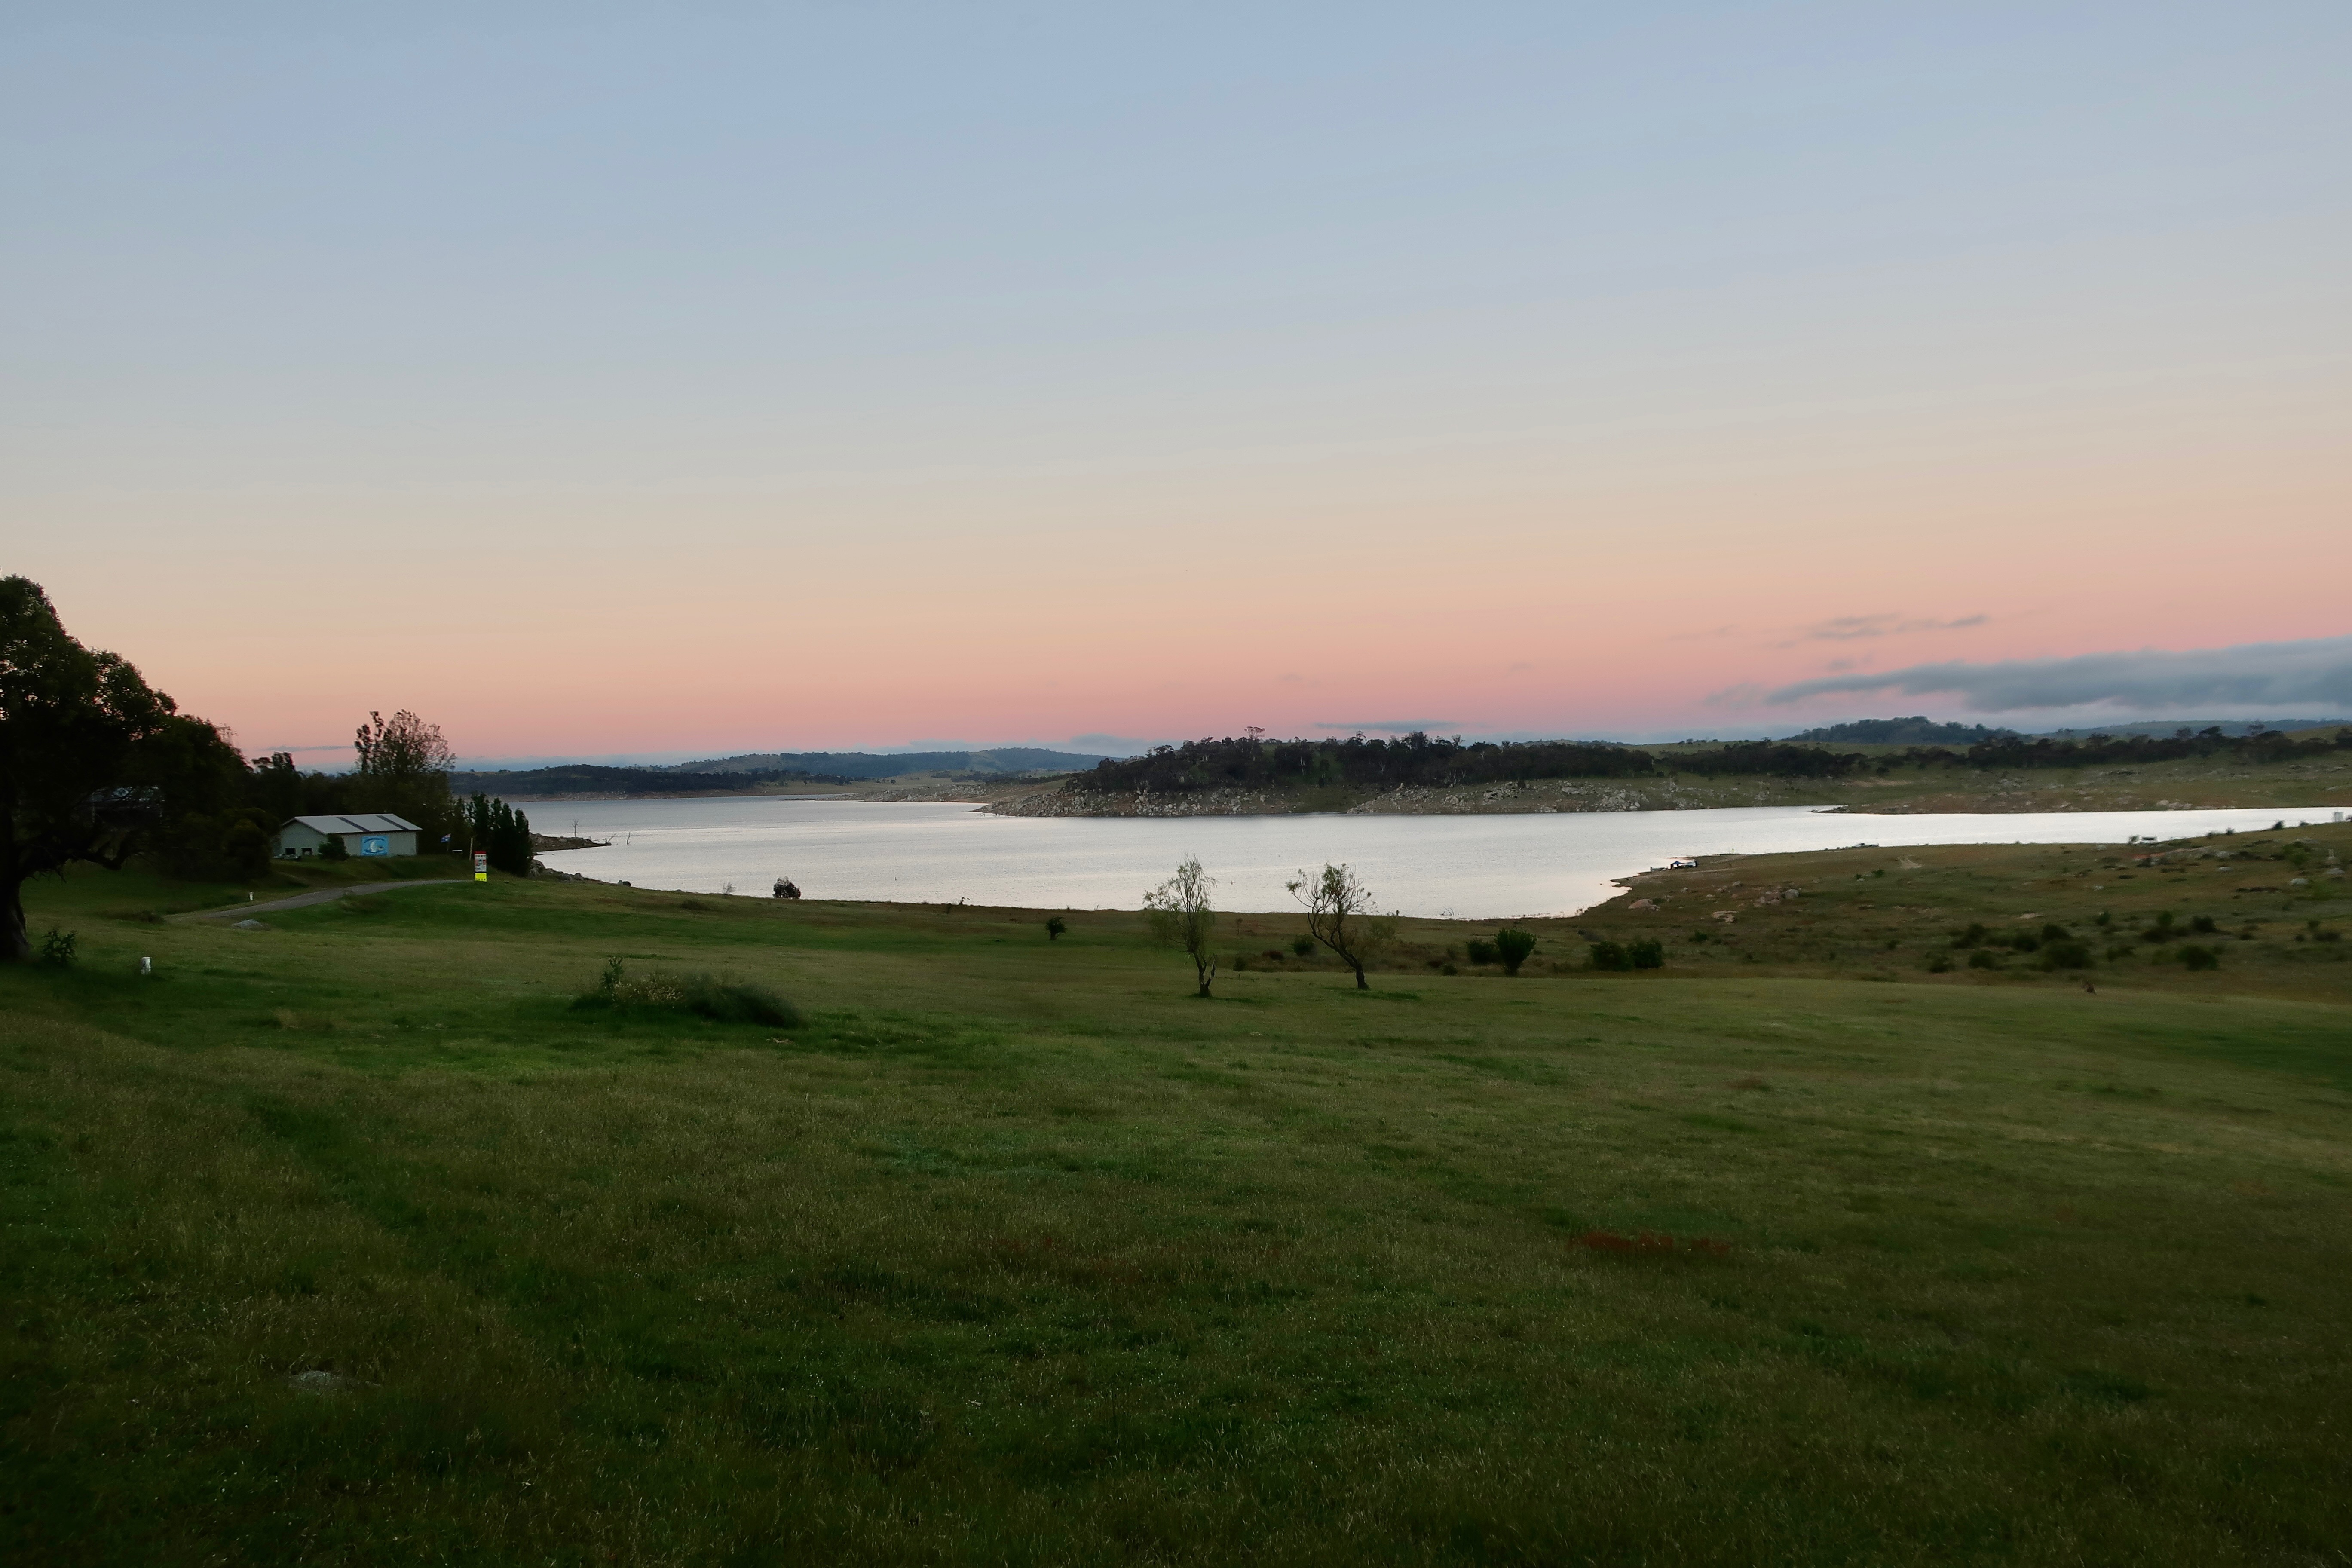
[{"x": 1012, "y": 1252}]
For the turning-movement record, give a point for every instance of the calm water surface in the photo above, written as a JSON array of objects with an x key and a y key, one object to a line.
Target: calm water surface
[{"x": 1465, "y": 867}]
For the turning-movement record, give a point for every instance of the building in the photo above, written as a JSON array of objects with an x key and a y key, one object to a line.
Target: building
[{"x": 371, "y": 832}]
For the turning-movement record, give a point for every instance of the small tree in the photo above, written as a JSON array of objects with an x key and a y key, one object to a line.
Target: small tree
[
  {"x": 1341, "y": 915},
  {"x": 1512, "y": 946},
  {"x": 1181, "y": 917},
  {"x": 1054, "y": 926}
]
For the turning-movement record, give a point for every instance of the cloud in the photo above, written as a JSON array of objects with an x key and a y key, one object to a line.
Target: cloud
[
  {"x": 1394, "y": 726},
  {"x": 1845, "y": 629},
  {"x": 2257, "y": 675}
]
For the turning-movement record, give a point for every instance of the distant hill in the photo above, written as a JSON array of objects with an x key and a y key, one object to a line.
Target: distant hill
[
  {"x": 887, "y": 765},
  {"x": 589, "y": 779},
  {"x": 1916, "y": 731}
]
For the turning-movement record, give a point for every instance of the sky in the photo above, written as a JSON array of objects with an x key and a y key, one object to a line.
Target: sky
[{"x": 604, "y": 381}]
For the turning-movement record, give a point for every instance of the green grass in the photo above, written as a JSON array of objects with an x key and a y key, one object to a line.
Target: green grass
[{"x": 1012, "y": 1252}]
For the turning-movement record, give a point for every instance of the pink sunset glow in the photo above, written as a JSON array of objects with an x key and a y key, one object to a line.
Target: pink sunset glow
[{"x": 1069, "y": 419}]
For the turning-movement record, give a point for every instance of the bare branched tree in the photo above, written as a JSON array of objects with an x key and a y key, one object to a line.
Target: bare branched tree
[
  {"x": 1341, "y": 916},
  {"x": 1181, "y": 917}
]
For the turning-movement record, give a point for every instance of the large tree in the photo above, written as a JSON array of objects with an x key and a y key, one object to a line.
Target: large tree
[
  {"x": 93, "y": 760},
  {"x": 404, "y": 767}
]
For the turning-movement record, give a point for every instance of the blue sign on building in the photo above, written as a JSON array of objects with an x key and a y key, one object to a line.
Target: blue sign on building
[{"x": 375, "y": 844}]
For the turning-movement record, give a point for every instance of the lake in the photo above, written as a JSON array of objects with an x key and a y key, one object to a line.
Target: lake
[{"x": 1460, "y": 867}]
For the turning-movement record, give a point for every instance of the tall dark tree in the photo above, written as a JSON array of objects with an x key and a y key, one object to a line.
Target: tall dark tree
[
  {"x": 94, "y": 762},
  {"x": 499, "y": 831}
]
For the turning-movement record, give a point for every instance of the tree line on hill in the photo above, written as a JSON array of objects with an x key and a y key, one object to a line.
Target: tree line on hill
[{"x": 1252, "y": 761}]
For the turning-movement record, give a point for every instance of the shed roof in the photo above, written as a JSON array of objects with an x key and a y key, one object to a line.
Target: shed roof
[{"x": 360, "y": 822}]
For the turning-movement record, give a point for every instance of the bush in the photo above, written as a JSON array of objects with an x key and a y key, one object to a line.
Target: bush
[
  {"x": 1982, "y": 958},
  {"x": 1610, "y": 956},
  {"x": 2025, "y": 941},
  {"x": 1481, "y": 950},
  {"x": 1055, "y": 927},
  {"x": 2202, "y": 925},
  {"x": 1972, "y": 937},
  {"x": 1302, "y": 945},
  {"x": 57, "y": 950},
  {"x": 724, "y": 1001},
  {"x": 1939, "y": 964},
  {"x": 2066, "y": 955},
  {"x": 2055, "y": 932},
  {"x": 332, "y": 849},
  {"x": 2194, "y": 957},
  {"x": 1512, "y": 946},
  {"x": 1647, "y": 953}
]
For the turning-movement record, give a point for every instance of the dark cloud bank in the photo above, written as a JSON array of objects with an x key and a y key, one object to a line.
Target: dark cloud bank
[{"x": 2257, "y": 675}]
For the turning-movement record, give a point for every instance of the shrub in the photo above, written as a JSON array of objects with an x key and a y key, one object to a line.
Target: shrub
[
  {"x": 2161, "y": 930},
  {"x": 1982, "y": 958},
  {"x": 1611, "y": 955},
  {"x": 332, "y": 849},
  {"x": 1512, "y": 946},
  {"x": 2202, "y": 925},
  {"x": 2025, "y": 941},
  {"x": 1647, "y": 953},
  {"x": 2056, "y": 932},
  {"x": 1302, "y": 945},
  {"x": 1939, "y": 964},
  {"x": 57, "y": 950},
  {"x": 724, "y": 1001},
  {"x": 1972, "y": 937},
  {"x": 1054, "y": 926},
  {"x": 1480, "y": 950},
  {"x": 2066, "y": 955},
  {"x": 2194, "y": 957}
]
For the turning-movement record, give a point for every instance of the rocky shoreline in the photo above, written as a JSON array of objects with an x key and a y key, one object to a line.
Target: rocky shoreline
[{"x": 2300, "y": 786}]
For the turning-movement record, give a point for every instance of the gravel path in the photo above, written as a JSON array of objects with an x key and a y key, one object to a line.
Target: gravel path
[{"x": 315, "y": 895}]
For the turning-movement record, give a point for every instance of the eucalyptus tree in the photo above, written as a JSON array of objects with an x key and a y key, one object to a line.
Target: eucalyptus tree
[
  {"x": 1341, "y": 915},
  {"x": 1181, "y": 917}
]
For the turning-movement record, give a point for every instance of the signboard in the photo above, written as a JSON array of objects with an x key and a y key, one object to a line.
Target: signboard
[
  {"x": 481, "y": 866},
  {"x": 375, "y": 844}
]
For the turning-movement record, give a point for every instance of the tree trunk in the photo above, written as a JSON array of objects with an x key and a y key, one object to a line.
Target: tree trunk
[
  {"x": 1361, "y": 984},
  {"x": 15, "y": 946}
]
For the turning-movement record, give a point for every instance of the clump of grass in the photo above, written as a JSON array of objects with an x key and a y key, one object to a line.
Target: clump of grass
[
  {"x": 705, "y": 995},
  {"x": 1651, "y": 1244}
]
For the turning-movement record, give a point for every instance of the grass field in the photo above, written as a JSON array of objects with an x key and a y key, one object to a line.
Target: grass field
[{"x": 352, "y": 1240}]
